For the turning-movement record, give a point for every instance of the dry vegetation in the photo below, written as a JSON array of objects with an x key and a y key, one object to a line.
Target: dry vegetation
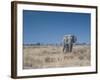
[{"x": 52, "y": 56}]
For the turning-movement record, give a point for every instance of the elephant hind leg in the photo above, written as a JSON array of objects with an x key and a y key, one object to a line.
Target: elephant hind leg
[{"x": 70, "y": 47}]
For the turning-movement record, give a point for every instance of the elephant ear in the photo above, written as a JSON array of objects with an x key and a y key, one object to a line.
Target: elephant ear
[{"x": 74, "y": 39}]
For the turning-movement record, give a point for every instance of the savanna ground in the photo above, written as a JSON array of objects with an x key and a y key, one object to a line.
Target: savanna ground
[{"x": 53, "y": 56}]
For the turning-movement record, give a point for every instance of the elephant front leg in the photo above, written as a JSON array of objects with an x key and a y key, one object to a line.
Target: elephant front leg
[
  {"x": 65, "y": 48},
  {"x": 70, "y": 47}
]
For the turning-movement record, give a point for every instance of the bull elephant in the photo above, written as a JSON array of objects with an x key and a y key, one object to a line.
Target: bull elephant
[{"x": 68, "y": 41}]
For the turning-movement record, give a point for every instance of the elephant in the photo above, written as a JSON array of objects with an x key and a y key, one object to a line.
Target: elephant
[{"x": 68, "y": 41}]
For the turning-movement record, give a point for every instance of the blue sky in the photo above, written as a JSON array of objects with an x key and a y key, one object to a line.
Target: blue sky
[{"x": 50, "y": 27}]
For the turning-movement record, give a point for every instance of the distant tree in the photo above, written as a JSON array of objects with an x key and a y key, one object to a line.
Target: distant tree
[
  {"x": 84, "y": 43},
  {"x": 38, "y": 44}
]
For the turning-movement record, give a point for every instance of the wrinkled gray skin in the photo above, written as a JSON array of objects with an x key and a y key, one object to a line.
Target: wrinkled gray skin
[{"x": 68, "y": 41}]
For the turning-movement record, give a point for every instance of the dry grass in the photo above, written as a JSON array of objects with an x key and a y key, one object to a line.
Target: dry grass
[{"x": 52, "y": 56}]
